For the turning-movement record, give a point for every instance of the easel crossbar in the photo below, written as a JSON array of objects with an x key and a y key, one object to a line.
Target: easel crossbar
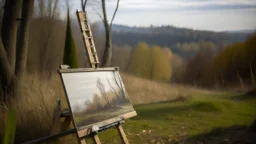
[{"x": 44, "y": 139}]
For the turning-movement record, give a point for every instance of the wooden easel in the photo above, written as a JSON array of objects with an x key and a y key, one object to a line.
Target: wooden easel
[
  {"x": 63, "y": 128},
  {"x": 93, "y": 130}
]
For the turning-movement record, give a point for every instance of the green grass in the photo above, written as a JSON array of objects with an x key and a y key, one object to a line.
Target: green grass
[{"x": 172, "y": 121}]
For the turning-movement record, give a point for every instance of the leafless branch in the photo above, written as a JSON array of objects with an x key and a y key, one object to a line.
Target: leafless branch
[
  {"x": 113, "y": 17},
  {"x": 83, "y": 4},
  {"x": 96, "y": 12}
]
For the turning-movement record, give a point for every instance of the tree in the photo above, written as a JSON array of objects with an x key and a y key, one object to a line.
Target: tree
[
  {"x": 140, "y": 64},
  {"x": 46, "y": 13},
  {"x": 236, "y": 63},
  {"x": 150, "y": 63},
  {"x": 195, "y": 69},
  {"x": 83, "y": 4},
  {"x": 250, "y": 44},
  {"x": 177, "y": 64},
  {"x": 106, "y": 61},
  {"x": 161, "y": 68},
  {"x": 14, "y": 43},
  {"x": 70, "y": 57}
]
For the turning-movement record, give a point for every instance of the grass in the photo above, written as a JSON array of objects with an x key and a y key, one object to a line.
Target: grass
[
  {"x": 175, "y": 122},
  {"x": 167, "y": 113}
]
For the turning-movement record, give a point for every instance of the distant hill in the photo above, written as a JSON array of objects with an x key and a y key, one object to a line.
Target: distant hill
[
  {"x": 169, "y": 35},
  {"x": 247, "y": 31}
]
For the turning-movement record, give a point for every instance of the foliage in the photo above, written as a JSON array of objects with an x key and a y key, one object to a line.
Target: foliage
[
  {"x": 233, "y": 65},
  {"x": 140, "y": 64},
  {"x": 10, "y": 128},
  {"x": 70, "y": 57},
  {"x": 169, "y": 36},
  {"x": 161, "y": 69},
  {"x": 150, "y": 63},
  {"x": 196, "y": 69},
  {"x": 236, "y": 63}
]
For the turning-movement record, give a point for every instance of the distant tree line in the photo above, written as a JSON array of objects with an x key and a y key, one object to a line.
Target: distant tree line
[
  {"x": 234, "y": 65},
  {"x": 168, "y": 36}
]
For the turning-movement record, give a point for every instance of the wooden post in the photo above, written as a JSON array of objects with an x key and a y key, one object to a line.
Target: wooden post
[{"x": 122, "y": 134}]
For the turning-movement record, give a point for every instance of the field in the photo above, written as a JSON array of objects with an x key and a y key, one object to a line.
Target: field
[
  {"x": 211, "y": 119},
  {"x": 167, "y": 113}
]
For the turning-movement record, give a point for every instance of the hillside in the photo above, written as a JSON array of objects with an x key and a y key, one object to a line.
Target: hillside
[
  {"x": 170, "y": 36},
  {"x": 166, "y": 113},
  {"x": 180, "y": 114}
]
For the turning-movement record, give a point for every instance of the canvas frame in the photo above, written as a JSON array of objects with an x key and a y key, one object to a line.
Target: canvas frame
[{"x": 87, "y": 130}]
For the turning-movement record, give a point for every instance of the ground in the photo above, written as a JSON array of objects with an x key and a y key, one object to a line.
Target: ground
[{"x": 204, "y": 119}]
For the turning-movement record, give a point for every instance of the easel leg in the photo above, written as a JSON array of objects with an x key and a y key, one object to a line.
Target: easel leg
[
  {"x": 122, "y": 134},
  {"x": 82, "y": 141},
  {"x": 96, "y": 139}
]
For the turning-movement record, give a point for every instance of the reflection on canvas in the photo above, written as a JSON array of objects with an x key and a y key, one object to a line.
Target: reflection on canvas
[{"x": 96, "y": 96}]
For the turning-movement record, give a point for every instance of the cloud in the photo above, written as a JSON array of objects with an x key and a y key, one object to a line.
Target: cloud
[
  {"x": 197, "y": 14},
  {"x": 183, "y": 4}
]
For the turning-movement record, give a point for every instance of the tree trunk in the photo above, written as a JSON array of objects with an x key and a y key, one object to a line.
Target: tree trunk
[
  {"x": 252, "y": 74},
  {"x": 12, "y": 11},
  {"x": 5, "y": 69},
  {"x": 22, "y": 47},
  {"x": 106, "y": 61},
  {"x": 9, "y": 63}
]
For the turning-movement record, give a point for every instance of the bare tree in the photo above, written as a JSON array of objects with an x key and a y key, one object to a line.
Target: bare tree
[
  {"x": 83, "y": 4},
  {"x": 14, "y": 42},
  {"x": 106, "y": 60}
]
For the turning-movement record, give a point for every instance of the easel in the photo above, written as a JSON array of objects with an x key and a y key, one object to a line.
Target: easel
[
  {"x": 93, "y": 129},
  {"x": 62, "y": 128}
]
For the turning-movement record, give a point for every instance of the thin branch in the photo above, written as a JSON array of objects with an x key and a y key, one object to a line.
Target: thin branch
[
  {"x": 54, "y": 8},
  {"x": 96, "y": 12},
  {"x": 113, "y": 17}
]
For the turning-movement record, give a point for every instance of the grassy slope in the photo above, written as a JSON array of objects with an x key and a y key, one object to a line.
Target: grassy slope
[
  {"x": 198, "y": 113},
  {"x": 174, "y": 122},
  {"x": 186, "y": 112}
]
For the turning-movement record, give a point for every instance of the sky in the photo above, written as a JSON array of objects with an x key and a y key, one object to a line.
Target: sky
[{"x": 215, "y": 15}]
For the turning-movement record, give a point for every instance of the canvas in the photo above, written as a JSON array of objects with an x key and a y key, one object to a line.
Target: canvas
[{"x": 95, "y": 96}]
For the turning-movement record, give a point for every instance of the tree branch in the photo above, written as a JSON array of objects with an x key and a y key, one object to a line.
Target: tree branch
[
  {"x": 114, "y": 15},
  {"x": 83, "y": 4},
  {"x": 98, "y": 14}
]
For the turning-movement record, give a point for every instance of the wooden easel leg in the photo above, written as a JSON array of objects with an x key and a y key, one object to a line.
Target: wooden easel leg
[
  {"x": 82, "y": 141},
  {"x": 122, "y": 134},
  {"x": 96, "y": 139}
]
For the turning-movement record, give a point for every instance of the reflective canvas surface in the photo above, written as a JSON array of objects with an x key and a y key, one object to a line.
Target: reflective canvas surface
[{"x": 96, "y": 96}]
